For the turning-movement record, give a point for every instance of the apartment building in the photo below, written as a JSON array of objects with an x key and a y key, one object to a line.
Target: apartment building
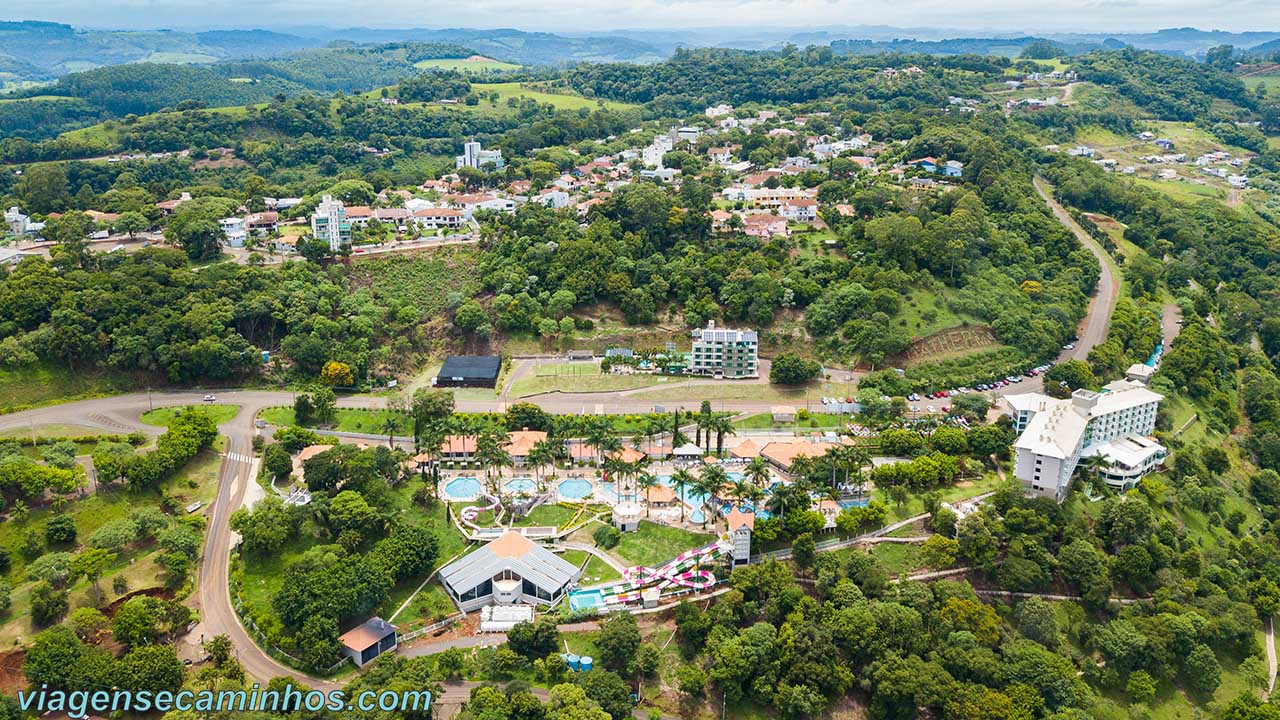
[
  {"x": 475, "y": 156},
  {"x": 722, "y": 352},
  {"x": 329, "y": 223},
  {"x": 1056, "y": 435}
]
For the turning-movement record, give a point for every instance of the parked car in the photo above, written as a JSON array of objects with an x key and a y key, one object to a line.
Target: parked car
[{"x": 209, "y": 398}]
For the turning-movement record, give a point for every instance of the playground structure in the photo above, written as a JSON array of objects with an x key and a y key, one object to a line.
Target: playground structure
[{"x": 682, "y": 573}]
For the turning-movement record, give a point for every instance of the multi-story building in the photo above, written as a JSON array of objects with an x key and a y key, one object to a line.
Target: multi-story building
[
  {"x": 329, "y": 223},
  {"x": 474, "y": 156},
  {"x": 17, "y": 221},
  {"x": 725, "y": 353},
  {"x": 1114, "y": 424}
]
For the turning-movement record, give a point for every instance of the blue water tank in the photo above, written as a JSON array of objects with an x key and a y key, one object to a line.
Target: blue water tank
[
  {"x": 572, "y": 661},
  {"x": 584, "y": 663}
]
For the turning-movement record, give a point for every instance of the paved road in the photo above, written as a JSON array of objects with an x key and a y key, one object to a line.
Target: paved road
[
  {"x": 1097, "y": 319},
  {"x": 1271, "y": 657}
]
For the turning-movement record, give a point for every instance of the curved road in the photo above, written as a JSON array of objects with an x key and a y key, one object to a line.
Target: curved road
[{"x": 1097, "y": 318}]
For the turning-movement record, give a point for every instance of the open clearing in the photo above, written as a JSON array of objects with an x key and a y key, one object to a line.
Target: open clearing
[{"x": 475, "y": 63}]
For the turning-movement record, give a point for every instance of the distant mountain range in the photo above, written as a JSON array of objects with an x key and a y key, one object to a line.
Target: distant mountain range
[{"x": 32, "y": 51}]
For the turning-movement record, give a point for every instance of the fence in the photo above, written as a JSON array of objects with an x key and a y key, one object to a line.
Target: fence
[{"x": 415, "y": 634}]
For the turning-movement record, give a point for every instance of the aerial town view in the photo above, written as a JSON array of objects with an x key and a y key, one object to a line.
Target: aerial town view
[{"x": 766, "y": 360}]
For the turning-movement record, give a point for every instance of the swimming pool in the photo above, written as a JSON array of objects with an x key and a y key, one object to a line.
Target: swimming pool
[
  {"x": 585, "y": 599},
  {"x": 698, "y": 516},
  {"x": 575, "y": 489},
  {"x": 518, "y": 486},
  {"x": 860, "y": 502},
  {"x": 462, "y": 488},
  {"x": 610, "y": 491}
]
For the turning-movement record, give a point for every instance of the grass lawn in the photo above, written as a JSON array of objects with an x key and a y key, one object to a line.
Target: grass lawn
[
  {"x": 355, "y": 420},
  {"x": 21, "y": 388},
  {"x": 431, "y": 605},
  {"x": 596, "y": 570},
  {"x": 740, "y": 390},
  {"x": 1182, "y": 191},
  {"x": 165, "y": 415},
  {"x": 198, "y": 481},
  {"x": 547, "y": 515},
  {"x": 1274, "y": 141},
  {"x": 475, "y": 63},
  {"x": 580, "y": 377},
  {"x": 925, "y": 312},
  {"x": 653, "y": 544},
  {"x": 764, "y": 421}
]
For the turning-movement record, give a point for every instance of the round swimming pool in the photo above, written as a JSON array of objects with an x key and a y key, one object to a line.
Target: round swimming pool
[
  {"x": 462, "y": 488},
  {"x": 575, "y": 489},
  {"x": 517, "y": 486}
]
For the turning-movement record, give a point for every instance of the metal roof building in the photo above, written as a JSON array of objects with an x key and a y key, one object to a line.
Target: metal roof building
[
  {"x": 469, "y": 371},
  {"x": 509, "y": 570}
]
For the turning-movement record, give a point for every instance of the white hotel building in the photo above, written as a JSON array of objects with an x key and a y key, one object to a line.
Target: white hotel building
[{"x": 1115, "y": 423}]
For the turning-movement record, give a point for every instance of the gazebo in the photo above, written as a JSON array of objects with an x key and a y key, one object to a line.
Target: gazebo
[{"x": 688, "y": 451}]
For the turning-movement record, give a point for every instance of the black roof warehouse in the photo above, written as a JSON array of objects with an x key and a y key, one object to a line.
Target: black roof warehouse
[{"x": 469, "y": 371}]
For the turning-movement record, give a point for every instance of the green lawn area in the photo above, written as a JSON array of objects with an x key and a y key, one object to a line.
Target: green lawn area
[
  {"x": 165, "y": 415},
  {"x": 475, "y": 63},
  {"x": 764, "y": 421},
  {"x": 596, "y": 571},
  {"x": 547, "y": 515},
  {"x": 1274, "y": 141},
  {"x": 430, "y": 605},
  {"x": 925, "y": 312},
  {"x": 741, "y": 390},
  {"x": 1181, "y": 190},
  {"x": 346, "y": 420},
  {"x": 1098, "y": 137},
  {"x": 897, "y": 558},
  {"x": 581, "y": 377},
  {"x": 653, "y": 544},
  {"x": 21, "y": 388}
]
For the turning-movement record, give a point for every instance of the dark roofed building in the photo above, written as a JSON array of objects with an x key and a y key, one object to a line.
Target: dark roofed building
[
  {"x": 368, "y": 640},
  {"x": 510, "y": 570},
  {"x": 469, "y": 371}
]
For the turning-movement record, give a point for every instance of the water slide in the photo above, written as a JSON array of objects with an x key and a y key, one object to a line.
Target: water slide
[
  {"x": 469, "y": 513},
  {"x": 682, "y": 571}
]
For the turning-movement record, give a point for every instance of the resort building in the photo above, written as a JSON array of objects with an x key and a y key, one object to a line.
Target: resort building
[
  {"x": 329, "y": 223},
  {"x": 469, "y": 371},
  {"x": 1114, "y": 424},
  {"x": 723, "y": 352},
  {"x": 510, "y": 570},
  {"x": 521, "y": 443}
]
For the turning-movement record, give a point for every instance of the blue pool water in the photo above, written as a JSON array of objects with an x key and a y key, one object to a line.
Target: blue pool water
[
  {"x": 761, "y": 513},
  {"x": 582, "y": 599},
  {"x": 860, "y": 502},
  {"x": 575, "y": 489},
  {"x": 462, "y": 488},
  {"x": 610, "y": 491},
  {"x": 520, "y": 485},
  {"x": 698, "y": 516}
]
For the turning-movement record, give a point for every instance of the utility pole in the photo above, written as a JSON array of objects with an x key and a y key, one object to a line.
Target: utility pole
[{"x": 149, "y": 405}]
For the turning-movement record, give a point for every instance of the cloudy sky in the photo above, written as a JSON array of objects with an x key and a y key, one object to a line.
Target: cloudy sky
[{"x": 582, "y": 15}]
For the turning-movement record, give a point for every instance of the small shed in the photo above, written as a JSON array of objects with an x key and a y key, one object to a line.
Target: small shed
[{"x": 368, "y": 640}]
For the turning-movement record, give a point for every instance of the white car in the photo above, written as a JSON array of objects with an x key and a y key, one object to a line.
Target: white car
[{"x": 209, "y": 398}]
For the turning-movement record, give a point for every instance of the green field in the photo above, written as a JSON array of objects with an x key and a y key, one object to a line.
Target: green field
[
  {"x": 764, "y": 421},
  {"x": 561, "y": 102},
  {"x": 596, "y": 570},
  {"x": 653, "y": 544},
  {"x": 1270, "y": 82},
  {"x": 347, "y": 420},
  {"x": 475, "y": 63},
  {"x": 165, "y": 415},
  {"x": 1182, "y": 191},
  {"x": 180, "y": 58},
  {"x": 580, "y": 377}
]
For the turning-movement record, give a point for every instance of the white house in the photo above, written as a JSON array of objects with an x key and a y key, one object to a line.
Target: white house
[
  {"x": 17, "y": 222},
  {"x": 474, "y": 156},
  {"x": 801, "y": 210},
  {"x": 233, "y": 231}
]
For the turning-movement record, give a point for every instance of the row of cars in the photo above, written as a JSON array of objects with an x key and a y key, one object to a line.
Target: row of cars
[{"x": 981, "y": 387}]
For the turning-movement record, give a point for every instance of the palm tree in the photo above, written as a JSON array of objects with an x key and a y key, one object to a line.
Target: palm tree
[
  {"x": 721, "y": 425},
  {"x": 542, "y": 453},
  {"x": 681, "y": 481},
  {"x": 492, "y": 455},
  {"x": 390, "y": 424},
  {"x": 1092, "y": 468},
  {"x": 599, "y": 435},
  {"x": 741, "y": 488},
  {"x": 646, "y": 481},
  {"x": 758, "y": 471},
  {"x": 711, "y": 482}
]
